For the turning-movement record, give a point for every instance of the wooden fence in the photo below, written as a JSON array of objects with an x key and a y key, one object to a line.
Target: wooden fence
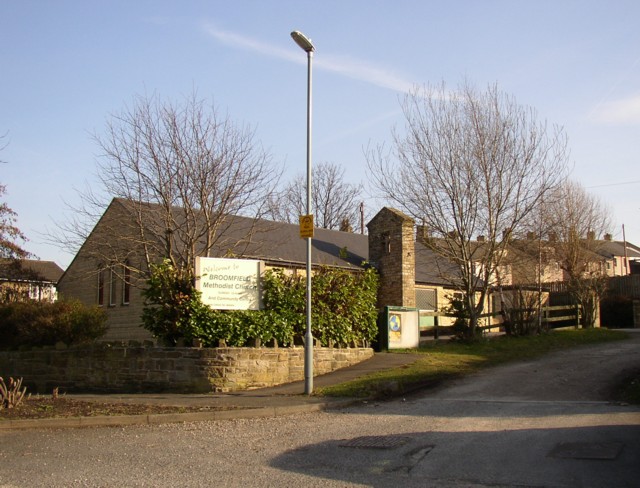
[
  {"x": 626, "y": 286},
  {"x": 569, "y": 314}
]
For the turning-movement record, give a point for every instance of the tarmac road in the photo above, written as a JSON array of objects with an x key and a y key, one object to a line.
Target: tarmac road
[{"x": 543, "y": 423}]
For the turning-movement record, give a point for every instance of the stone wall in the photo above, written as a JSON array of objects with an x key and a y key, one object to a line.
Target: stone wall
[{"x": 118, "y": 368}]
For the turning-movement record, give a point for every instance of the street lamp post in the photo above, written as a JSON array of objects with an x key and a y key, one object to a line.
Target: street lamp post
[{"x": 306, "y": 45}]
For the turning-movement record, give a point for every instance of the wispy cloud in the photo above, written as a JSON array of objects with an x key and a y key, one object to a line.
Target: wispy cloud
[
  {"x": 624, "y": 111},
  {"x": 242, "y": 42},
  {"x": 352, "y": 68},
  {"x": 364, "y": 71}
]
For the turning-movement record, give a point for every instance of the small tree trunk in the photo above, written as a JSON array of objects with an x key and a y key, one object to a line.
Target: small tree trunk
[{"x": 473, "y": 326}]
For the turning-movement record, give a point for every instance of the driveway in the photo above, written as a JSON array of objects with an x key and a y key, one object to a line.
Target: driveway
[{"x": 543, "y": 423}]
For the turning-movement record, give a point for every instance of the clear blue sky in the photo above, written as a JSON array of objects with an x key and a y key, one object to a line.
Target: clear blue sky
[{"x": 66, "y": 65}]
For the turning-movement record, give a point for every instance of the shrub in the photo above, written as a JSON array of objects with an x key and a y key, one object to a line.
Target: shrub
[
  {"x": 171, "y": 303},
  {"x": 343, "y": 310},
  {"x": 458, "y": 309},
  {"x": 45, "y": 324},
  {"x": 344, "y": 306},
  {"x": 239, "y": 327}
]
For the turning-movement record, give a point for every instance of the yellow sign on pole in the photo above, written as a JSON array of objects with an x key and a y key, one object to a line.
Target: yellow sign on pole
[{"x": 306, "y": 226}]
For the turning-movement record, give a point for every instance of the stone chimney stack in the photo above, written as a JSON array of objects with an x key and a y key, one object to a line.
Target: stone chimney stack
[
  {"x": 422, "y": 233},
  {"x": 392, "y": 252}
]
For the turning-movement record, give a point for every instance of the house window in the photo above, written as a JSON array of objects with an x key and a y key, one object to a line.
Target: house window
[
  {"x": 35, "y": 292},
  {"x": 126, "y": 283},
  {"x": 112, "y": 287},
  {"x": 426, "y": 299},
  {"x": 101, "y": 287}
]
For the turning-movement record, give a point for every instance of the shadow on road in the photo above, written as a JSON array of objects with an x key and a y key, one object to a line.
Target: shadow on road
[{"x": 594, "y": 456}]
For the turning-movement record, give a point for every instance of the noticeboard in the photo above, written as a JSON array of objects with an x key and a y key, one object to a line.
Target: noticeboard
[
  {"x": 229, "y": 284},
  {"x": 401, "y": 329}
]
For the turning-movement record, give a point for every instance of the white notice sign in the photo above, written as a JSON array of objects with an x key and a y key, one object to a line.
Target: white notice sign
[{"x": 229, "y": 284}]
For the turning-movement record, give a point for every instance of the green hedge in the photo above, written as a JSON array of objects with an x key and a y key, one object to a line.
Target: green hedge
[
  {"x": 45, "y": 324},
  {"x": 343, "y": 310}
]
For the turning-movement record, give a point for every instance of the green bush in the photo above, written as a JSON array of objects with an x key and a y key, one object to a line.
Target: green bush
[
  {"x": 343, "y": 310},
  {"x": 239, "y": 328},
  {"x": 344, "y": 307},
  {"x": 458, "y": 309},
  {"x": 171, "y": 303},
  {"x": 45, "y": 324}
]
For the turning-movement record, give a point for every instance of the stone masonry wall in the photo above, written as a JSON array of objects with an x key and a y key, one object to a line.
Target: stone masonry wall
[{"x": 118, "y": 368}]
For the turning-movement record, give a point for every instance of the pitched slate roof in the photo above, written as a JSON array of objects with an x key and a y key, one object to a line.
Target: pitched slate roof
[
  {"x": 433, "y": 269},
  {"x": 611, "y": 249},
  {"x": 29, "y": 270},
  {"x": 280, "y": 243},
  {"x": 277, "y": 243}
]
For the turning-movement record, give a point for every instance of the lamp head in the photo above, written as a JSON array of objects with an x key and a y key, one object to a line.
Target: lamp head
[{"x": 303, "y": 41}]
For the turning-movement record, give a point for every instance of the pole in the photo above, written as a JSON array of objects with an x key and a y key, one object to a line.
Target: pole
[
  {"x": 626, "y": 258},
  {"x": 308, "y": 353},
  {"x": 306, "y": 45}
]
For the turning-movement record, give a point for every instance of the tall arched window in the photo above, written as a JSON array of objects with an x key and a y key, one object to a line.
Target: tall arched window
[
  {"x": 126, "y": 283},
  {"x": 100, "y": 294},
  {"x": 112, "y": 286}
]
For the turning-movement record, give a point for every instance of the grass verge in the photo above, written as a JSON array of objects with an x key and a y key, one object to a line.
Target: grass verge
[{"x": 440, "y": 361}]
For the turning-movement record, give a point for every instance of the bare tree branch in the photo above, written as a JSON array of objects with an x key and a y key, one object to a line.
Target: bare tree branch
[
  {"x": 335, "y": 202},
  {"x": 469, "y": 164},
  {"x": 10, "y": 235},
  {"x": 180, "y": 171},
  {"x": 578, "y": 220}
]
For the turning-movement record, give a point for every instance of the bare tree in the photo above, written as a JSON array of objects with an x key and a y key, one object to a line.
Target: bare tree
[
  {"x": 469, "y": 163},
  {"x": 577, "y": 221},
  {"x": 180, "y": 173},
  {"x": 335, "y": 202},
  {"x": 11, "y": 237}
]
